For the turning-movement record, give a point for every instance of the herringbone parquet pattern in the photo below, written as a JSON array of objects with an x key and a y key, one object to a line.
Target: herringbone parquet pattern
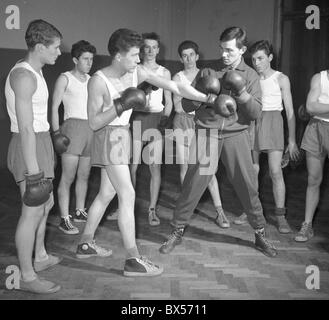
[{"x": 211, "y": 263}]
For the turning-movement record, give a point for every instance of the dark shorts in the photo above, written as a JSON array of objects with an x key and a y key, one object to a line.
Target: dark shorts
[
  {"x": 111, "y": 145},
  {"x": 185, "y": 122},
  {"x": 45, "y": 156},
  {"x": 80, "y": 135},
  {"x": 145, "y": 121},
  {"x": 269, "y": 134},
  {"x": 316, "y": 138}
]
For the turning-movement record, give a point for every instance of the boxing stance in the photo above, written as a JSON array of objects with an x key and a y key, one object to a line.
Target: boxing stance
[
  {"x": 316, "y": 144},
  {"x": 73, "y": 140},
  {"x": 189, "y": 55},
  {"x": 153, "y": 116},
  {"x": 112, "y": 94},
  {"x": 269, "y": 131},
  {"x": 226, "y": 124},
  {"x": 30, "y": 154}
]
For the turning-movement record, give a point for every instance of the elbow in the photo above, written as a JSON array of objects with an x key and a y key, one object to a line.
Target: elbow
[
  {"x": 92, "y": 125},
  {"x": 254, "y": 114},
  {"x": 310, "y": 108}
]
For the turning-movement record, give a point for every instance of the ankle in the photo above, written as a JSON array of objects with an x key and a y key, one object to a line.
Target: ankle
[
  {"x": 41, "y": 257},
  {"x": 28, "y": 276},
  {"x": 86, "y": 238},
  {"x": 133, "y": 253}
]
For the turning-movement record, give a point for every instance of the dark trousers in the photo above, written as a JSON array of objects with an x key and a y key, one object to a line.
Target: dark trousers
[{"x": 235, "y": 153}]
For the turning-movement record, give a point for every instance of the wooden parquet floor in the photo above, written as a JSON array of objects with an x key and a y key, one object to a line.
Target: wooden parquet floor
[{"x": 210, "y": 264}]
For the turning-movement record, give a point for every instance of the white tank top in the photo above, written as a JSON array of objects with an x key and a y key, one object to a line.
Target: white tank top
[
  {"x": 324, "y": 95},
  {"x": 183, "y": 79},
  {"x": 154, "y": 99},
  {"x": 271, "y": 93},
  {"x": 128, "y": 80},
  {"x": 39, "y": 101},
  {"x": 75, "y": 97}
]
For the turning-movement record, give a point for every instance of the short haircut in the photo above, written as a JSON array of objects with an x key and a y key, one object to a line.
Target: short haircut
[
  {"x": 122, "y": 40},
  {"x": 187, "y": 44},
  {"x": 261, "y": 45},
  {"x": 240, "y": 35},
  {"x": 40, "y": 31},
  {"x": 151, "y": 36},
  {"x": 81, "y": 47}
]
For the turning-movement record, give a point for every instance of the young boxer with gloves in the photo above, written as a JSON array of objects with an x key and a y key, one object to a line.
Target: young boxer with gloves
[
  {"x": 73, "y": 140},
  {"x": 226, "y": 121},
  {"x": 189, "y": 55},
  {"x": 31, "y": 154},
  {"x": 155, "y": 115},
  {"x": 269, "y": 135},
  {"x": 112, "y": 94}
]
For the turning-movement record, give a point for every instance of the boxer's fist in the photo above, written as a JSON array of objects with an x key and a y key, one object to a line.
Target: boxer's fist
[
  {"x": 303, "y": 114},
  {"x": 208, "y": 84},
  {"x": 224, "y": 105},
  {"x": 146, "y": 87},
  {"x": 234, "y": 82},
  {"x": 60, "y": 141},
  {"x": 37, "y": 190},
  {"x": 130, "y": 98}
]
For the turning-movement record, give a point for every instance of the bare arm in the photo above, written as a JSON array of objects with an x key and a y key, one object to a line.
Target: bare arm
[
  {"x": 314, "y": 107},
  {"x": 59, "y": 90},
  {"x": 24, "y": 84},
  {"x": 98, "y": 96},
  {"x": 284, "y": 83},
  {"x": 178, "y": 88},
  {"x": 167, "y": 96},
  {"x": 176, "y": 98}
]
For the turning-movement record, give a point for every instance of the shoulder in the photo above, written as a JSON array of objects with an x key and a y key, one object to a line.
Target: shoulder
[
  {"x": 177, "y": 76},
  {"x": 316, "y": 80},
  {"x": 22, "y": 77},
  {"x": 283, "y": 79},
  {"x": 251, "y": 73}
]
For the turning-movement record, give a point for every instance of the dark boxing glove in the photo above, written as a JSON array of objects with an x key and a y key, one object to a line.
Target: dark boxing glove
[
  {"x": 303, "y": 114},
  {"x": 130, "y": 98},
  {"x": 60, "y": 141},
  {"x": 208, "y": 85},
  {"x": 234, "y": 82},
  {"x": 147, "y": 87},
  {"x": 37, "y": 190},
  {"x": 224, "y": 105}
]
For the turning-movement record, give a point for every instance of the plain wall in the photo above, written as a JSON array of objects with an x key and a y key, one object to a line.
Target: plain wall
[{"x": 94, "y": 20}]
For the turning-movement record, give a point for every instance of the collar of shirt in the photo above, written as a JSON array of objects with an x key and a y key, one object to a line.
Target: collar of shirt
[{"x": 240, "y": 67}]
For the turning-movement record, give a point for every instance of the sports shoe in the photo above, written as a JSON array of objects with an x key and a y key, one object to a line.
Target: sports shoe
[
  {"x": 141, "y": 267},
  {"x": 45, "y": 264},
  {"x": 153, "y": 218},
  {"x": 241, "y": 220},
  {"x": 39, "y": 285},
  {"x": 80, "y": 215},
  {"x": 263, "y": 245},
  {"x": 305, "y": 233},
  {"x": 113, "y": 216},
  {"x": 283, "y": 225},
  {"x": 67, "y": 227},
  {"x": 221, "y": 219},
  {"x": 91, "y": 249},
  {"x": 174, "y": 239}
]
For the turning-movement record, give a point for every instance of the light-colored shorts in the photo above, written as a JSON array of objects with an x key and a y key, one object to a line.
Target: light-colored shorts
[
  {"x": 111, "y": 145},
  {"x": 316, "y": 138},
  {"x": 269, "y": 132},
  {"x": 80, "y": 135},
  {"x": 45, "y": 156}
]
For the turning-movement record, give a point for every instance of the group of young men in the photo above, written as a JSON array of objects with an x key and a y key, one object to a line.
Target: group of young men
[{"x": 234, "y": 110}]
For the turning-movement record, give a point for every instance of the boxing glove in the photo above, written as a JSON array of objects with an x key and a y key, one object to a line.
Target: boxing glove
[
  {"x": 208, "y": 84},
  {"x": 146, "y": 87},
  {"x": 60, "y": 141},
  {"x": 130, "y": 98},
  {"x": 303, "y": 114},
  {"x": 234, "y": 82},
  {"x": 224, "y": 105},
  {"x": 37, "y": 190}
]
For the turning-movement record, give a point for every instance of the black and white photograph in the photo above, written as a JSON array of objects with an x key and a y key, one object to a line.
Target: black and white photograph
[{"x": 164, "y": 154}]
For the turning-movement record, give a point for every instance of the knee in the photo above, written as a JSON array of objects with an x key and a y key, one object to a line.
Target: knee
[
  {"x": 106, "y": 196},
  {"x": 83, "y": 176},
  {"x": 276, "y": 174},
  {"x": 66, "y": 180},
  {"x": 127, "y": 196},
  {"x": 314, "y": 180},
  {"x": 49, "y": 204}
]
